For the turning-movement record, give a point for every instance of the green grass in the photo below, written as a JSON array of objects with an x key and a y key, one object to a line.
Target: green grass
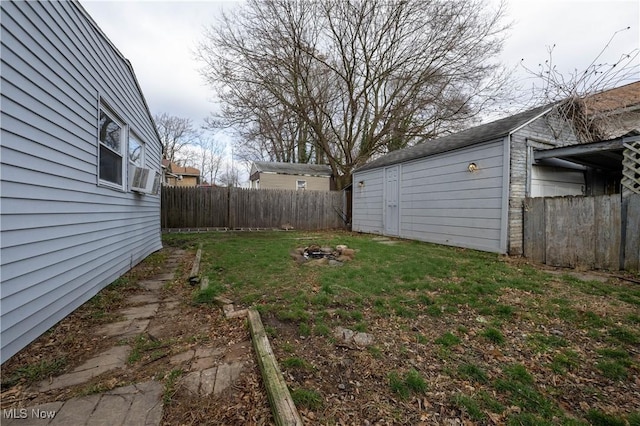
[
  {"x": 35, "y": 372},
  {"x": 295, "y": 362},
  {"x": 519, "y": 387},
  {"x": 447, "y": 340},
  {"x": 170, "y": 383},
  {"x": 565, "y": 361},
  {"x": 206, "y": 295},
  {"x": 470, "y": 406},
  {"x": 598, "y": 418},
  {"x": 412, "y": 285},
  {"x": 472, "y": 372},
  {"x": 307, "y": 398},
  {"x": 615, "y": 363},
  {"x": 493, "y": 335},
  {"x": 144, "y": 345},
  {"x": 545, "y": 342},
  {"x": 404, "y": 386}
]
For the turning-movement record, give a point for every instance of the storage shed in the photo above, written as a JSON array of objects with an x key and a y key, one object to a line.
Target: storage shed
[
  {"x": 465, "y": 189},
  {"x": 80, "y": 163}
]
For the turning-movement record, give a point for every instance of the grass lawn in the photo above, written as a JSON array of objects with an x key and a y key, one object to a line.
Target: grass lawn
[{"x": 459, "y": 334}]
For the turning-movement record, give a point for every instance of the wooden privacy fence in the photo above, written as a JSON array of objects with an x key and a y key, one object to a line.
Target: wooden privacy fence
[
  {"x": 601, "y": 232},
  {"x": 189, "y": 207}
]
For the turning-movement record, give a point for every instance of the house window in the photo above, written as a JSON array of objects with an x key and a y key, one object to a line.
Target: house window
[
  {"x": 301, "y": 184},
  {"x": 136, "y": 151},
  {"x": 110, "y": 136}
]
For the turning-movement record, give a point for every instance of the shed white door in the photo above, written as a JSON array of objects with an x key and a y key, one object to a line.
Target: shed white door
[{"x": 391, "y": 190}]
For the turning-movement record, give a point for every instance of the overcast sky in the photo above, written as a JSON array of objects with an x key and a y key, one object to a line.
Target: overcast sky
[{"x": 160, "y": 37}]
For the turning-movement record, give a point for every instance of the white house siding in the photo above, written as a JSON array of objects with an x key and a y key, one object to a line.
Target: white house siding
[
  {"x": 442, "y": 202},
  {"x": 556, "y": 182},
  {"x": 368, "y": 192},
  {"x": 64, "y": 237}
]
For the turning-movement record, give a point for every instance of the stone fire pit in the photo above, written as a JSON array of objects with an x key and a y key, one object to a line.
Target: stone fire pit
[{"x": 314, "y": 255}]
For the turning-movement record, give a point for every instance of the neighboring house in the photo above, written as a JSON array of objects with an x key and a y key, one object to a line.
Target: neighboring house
[
  {"x": 80, "y": 160},
  {"x": 467, "y": 189},
  {"x": 272, "y": 175},
  {"x": 174, "y": 175}
]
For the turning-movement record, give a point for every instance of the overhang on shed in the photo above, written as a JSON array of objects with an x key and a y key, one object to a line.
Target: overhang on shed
[{"x": 620, "y": 155}]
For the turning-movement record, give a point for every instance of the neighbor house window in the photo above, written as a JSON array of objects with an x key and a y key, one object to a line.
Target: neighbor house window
[
  {"x": 110, "y": 135},
  {"x": 301, "y": 184},
  {"x": 136, "y": 151}
]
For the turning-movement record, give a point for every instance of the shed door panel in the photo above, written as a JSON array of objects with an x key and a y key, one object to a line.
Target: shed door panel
[{"x": 391, "y": 201}]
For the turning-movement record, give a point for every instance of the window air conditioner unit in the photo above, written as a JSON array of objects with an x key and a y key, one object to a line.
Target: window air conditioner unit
[{"x": 143, "y": 180}]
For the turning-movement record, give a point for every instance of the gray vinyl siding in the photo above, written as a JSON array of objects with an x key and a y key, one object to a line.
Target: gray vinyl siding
[
  {"x": 442, "y": 202},
  {"x": 368, "y": 202},
  {"x": 64, "y": 236}
]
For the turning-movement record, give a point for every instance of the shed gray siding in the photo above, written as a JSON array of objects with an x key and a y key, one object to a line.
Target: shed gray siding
[
  {"x": 368, "y": 201},
  {"x": 64, "y": 236},
  {"x": 440, "y": 200}
]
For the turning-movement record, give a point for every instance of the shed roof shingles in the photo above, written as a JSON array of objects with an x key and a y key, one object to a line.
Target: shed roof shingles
[
  {"x": 293, "y": 168},
  {"x": 475, "y": 135}
]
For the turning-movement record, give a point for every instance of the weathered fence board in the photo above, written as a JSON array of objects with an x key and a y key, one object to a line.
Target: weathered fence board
[
  {"x": 250, "y": 208},
  {"x": 632, "y": 237},
  {"x": 534, "y": 229},
  {"x": 586, "y": 232},
  {"x": 608, "y": 231}
]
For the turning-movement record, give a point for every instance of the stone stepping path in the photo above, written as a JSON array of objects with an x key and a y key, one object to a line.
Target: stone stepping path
[
  {"x": 386, "y": 241},
  {"x": 209, "y": 370},
  {"x": 212, "y": 380},
  {"x": 139, "y": 404},
  {"x": 109, "y": 360}
]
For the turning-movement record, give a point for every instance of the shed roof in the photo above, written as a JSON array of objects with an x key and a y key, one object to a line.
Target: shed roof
[
  {"x": 293, "y": 168},
  {"x": 475, "y": 135}
]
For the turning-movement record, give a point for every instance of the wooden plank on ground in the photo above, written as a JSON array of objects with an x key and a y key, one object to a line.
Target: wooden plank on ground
[{"x": 282, "y": 406}]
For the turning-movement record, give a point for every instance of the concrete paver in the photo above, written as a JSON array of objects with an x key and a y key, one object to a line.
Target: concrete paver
[
  {"x": 140, "y": 312},
  {"x": 139, "y": 404},
  {"x": 112, "y": 358},
  {"x": 143, "y": 299},
  {"x": 152, "y": 285},
  {"x": 76, "y": 411},
  {"x": 124, "y": 328}
]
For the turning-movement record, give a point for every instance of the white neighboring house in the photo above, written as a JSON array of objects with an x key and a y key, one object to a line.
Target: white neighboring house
[{"x": 80, "y": 163}]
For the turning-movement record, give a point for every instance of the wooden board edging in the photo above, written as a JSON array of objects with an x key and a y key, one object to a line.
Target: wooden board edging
[{"x": 282, "y": 406}]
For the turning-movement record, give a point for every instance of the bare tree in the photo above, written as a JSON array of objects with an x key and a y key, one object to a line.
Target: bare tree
[
  {"x": 578, "y": 94},
  {"x": 230, "y": 176},
  {"x": 175, "y": 134},
  {"x": 342, "y": 81}
]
